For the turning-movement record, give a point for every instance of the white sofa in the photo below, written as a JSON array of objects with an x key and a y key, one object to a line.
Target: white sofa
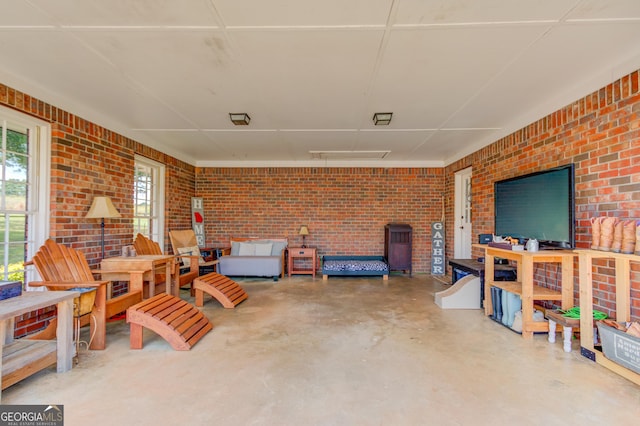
[{"x": 255, "y": 257}]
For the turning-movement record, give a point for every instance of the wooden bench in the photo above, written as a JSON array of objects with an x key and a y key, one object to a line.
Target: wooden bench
[
  {"x": 568, "y": 327},
  {"x": 224, "y": 290},
  {"x": 176, "y": 321}
]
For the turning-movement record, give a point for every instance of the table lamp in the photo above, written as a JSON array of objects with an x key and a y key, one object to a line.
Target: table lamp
[
  {"x": 304, "y": 231},
  {"x": 102, "y": 208}
]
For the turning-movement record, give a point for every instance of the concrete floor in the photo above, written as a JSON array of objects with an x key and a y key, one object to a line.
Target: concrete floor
[{"x": 349, "y": 351}]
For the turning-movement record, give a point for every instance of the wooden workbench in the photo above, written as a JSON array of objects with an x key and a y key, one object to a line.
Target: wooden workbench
[
  {"x": 24, "y": 357},
  {"x": 525, "y": 286}
]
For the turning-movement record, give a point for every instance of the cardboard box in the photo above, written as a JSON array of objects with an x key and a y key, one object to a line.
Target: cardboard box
[
  {"x": 620, "y": 347},
  {"x": 9, "y": 289}
]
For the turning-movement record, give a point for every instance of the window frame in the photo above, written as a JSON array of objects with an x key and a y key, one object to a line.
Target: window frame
[
  {"x": 157, "y": 218},
  {"x": 39, "y": 179}
]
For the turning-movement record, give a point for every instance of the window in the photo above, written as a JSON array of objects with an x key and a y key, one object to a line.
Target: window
[
  {"x": 148, "y": 215},
  {"x": 24, "y": 170}
]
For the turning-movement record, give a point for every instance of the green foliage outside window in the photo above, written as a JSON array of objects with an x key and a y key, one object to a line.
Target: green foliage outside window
[{"x": 13, "y": 221}]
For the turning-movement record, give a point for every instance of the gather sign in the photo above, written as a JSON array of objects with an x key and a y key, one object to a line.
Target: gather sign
[{"x": 437, "y": 248}]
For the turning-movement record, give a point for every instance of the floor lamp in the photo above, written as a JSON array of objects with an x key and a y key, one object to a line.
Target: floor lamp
[{"x": 102, "y": 208}]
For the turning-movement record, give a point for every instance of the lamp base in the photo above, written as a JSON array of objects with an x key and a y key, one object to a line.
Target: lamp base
[{"x": 102, "y": 237}]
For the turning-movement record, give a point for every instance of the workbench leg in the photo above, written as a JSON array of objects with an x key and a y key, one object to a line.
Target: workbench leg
[
  {"x": 64, "y": 336},
  {"x": 552, "y": 331}
]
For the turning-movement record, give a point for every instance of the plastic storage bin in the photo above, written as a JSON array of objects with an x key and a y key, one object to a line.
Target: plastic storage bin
[{"x": 620, "y": 347}]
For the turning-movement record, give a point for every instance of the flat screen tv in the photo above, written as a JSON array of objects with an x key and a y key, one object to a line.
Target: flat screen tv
[{"x": 538, "y": 205}]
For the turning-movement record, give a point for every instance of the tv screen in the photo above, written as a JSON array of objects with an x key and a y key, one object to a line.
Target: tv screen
[{"x": 538, "y": 205}]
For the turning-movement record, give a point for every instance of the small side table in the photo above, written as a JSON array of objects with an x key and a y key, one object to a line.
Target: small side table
[
  {"x": 117, "y": 269},
  {"x": 302, "y": 253}
]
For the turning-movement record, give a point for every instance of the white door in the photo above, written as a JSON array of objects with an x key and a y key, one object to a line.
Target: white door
[{"x": 462, "y": 214}]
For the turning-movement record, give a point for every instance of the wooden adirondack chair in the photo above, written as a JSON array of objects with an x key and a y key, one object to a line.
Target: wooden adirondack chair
[
  {"x": 63, "y": 268},
  {"x": 184, "y": 242},
  {"x": 144, "y": 245}
]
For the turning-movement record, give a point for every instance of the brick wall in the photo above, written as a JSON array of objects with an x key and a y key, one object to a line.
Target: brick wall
[
  {"x": 600, "y": 133},
  {"x": 345, "y": 208},
  {"x": 88, "y": 161}
]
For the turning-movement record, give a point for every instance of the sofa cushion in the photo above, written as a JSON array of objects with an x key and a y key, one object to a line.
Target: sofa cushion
[
  {"x": 263, "y": 249},
  {"x": 235, "y": 248},
  {"x": 192, "y": 251},
  {"x": 250, "y": 266},
  {"x": 247, "y": 249}
]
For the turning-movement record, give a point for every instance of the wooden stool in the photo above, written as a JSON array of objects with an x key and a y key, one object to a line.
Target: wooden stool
[
  {"x": 178, "y": 322},
  {"x": 568, "y": 324}
]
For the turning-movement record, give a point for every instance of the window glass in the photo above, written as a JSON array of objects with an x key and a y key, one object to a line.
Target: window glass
[{"x": 14, "y": 201}]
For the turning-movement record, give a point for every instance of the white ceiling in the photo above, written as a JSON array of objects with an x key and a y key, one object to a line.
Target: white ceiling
[{"x": 457, "y": 74}]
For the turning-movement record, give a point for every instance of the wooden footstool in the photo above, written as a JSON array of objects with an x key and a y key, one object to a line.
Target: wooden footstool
[
  {"x": 568, "y": 324},
  {"x": 224, "y": 290},
  {"x": 178, "y": 322}
]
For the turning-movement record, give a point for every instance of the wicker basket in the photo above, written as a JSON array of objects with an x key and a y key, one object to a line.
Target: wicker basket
[{"x": 83, "y": 305}]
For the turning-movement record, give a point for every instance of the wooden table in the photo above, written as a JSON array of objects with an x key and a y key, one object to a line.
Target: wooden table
[
  {"x": 525, "y": 287},
  {"x": 302, "y": 253},
  {"x": 119, "y": 268},
  {"x": 23, "y": 357}
]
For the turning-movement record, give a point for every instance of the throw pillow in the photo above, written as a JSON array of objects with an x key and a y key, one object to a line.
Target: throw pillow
[
  {"x": 263, "y": 249},
  {"x": 247, "y": 249},
  {"x": 235, "y": 248},
  {"x": 193, "y": 251}
]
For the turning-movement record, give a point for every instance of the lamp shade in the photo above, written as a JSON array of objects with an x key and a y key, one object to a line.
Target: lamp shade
[
  {"x": 101, "y": 208},
  {"x": 304, "y": 230}
]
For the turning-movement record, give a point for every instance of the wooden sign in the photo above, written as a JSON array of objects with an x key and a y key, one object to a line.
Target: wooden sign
[
  {"x": 197, "y": 219},
  {"x": 437, "y": 249}
]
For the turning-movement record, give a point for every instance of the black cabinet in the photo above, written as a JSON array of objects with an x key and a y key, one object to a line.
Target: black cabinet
[{"x": 397, "y": 246}]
